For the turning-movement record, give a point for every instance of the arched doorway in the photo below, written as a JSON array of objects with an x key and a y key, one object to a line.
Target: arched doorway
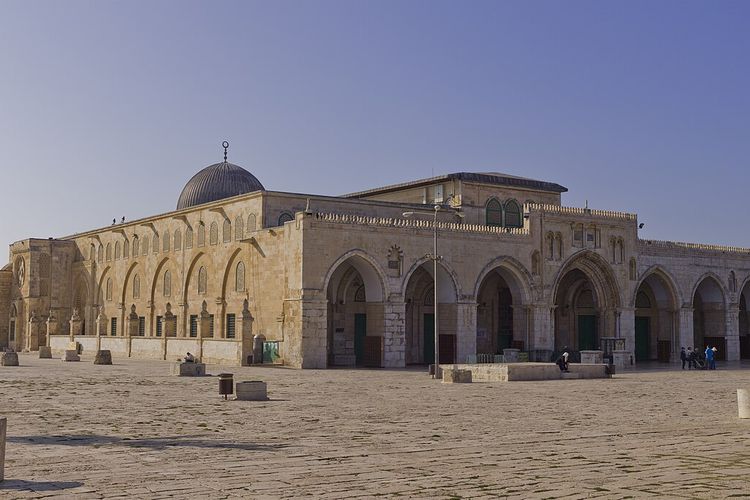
[
  {"x": 744, "y": 322},
  {"x": 709, "y": 317},
  {"x": 355, "y": 319},
  {"x": 501, "y": 315},
  {"x": 655, "y": 325},
  {"x": 420, "y": 316},
  {"x": 585, "y": 298}
]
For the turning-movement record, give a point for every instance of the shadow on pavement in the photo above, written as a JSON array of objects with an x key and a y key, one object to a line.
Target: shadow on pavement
[
  {"x": 151, "y": 443},
  {"x": 20, "y": 485}
]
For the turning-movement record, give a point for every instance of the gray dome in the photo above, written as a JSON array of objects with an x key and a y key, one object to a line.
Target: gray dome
[{"x": 217, "y": 182}]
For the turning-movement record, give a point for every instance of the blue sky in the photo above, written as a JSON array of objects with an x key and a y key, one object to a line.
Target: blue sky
[{"x": 108, "y": 108}]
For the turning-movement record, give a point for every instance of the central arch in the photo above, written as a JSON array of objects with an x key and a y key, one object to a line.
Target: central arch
[
  {"x": 586, "y": 298},
  {"x": 656, "y": 301},
  {"x": 709, "y": 317},
  {"x": 355, "y": 290}
]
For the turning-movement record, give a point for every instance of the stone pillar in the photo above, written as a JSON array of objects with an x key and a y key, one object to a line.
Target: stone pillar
[
  {"x": 542, "y": 335},
  {"x": 204, "y": 328},
  {"x": 312, "y": 334},
  {"x": 466, "y": 330},
  {"x": 32, "y": 338},
  {"x": 394, "y": 331},
  {"x": 52, "y": 326},
  {"x": 732, "y": 332},
  {"x": 220, "y": 318},
  {"x": 3, "y": 425},
  {"x": 75, "y": 325},
  {"x": 686, "y": 326},
  {"x": 183, "y": 325},
  {"x": 246, "y": 333},
  {"x": 131, "y": 327},
  {"x": 169, "y": 323},
  {"x": 625, "y": 326},
  {"x": 101, "y": 329}
]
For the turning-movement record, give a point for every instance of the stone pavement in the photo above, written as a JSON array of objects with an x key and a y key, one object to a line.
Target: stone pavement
[{"x": 130, "y": 430}]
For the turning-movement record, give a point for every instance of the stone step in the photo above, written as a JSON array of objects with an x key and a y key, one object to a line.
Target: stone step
[{"x": 570, "y": 376}]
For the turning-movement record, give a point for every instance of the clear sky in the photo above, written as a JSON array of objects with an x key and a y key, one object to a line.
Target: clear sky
[{"x": 108, "y": 108}]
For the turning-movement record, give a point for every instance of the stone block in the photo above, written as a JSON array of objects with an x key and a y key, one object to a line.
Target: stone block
[
  {"x": 9, "y": 359},
  {"x": 456, "y": 376},
  {"x": 71, "y": 355},
  {"x": 511, "y": 355},
  {"x": 45, "y": 352},
  {"x": 592, "y": 357},
  {"x": 254, "y": 390},
  {"x": 743, "y": 403},
  {"x": 103, "y": 357},
  {"x": 183, "y": 369}
]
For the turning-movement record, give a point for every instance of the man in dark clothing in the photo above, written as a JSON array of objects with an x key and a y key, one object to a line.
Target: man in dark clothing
[
  {"x": 690, "y": 358},
  {"x": 683, "y": 357}
]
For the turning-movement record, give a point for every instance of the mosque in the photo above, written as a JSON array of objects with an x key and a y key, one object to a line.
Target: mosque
[{"x": 355, "y": 280}]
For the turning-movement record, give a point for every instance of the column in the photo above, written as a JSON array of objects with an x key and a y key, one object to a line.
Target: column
[
  {"x": 312, "y": 333},
  {"x": 466, "y": 330},
  {"x": 686, "y": 326},
  {"x": 625, "y": 328},
  {"x": 542, "y": 334},
  {"x": 245, "y": 328},
  {"x": 394, "y": 333},
  {"x": 732, "y": 334},
  {"x": 184, "y": 323}
]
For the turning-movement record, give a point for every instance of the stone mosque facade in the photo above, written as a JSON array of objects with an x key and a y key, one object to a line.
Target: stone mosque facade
[{"x": 348, "y": 280}]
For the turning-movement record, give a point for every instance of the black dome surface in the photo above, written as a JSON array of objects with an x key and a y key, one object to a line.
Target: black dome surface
[{"x": 216, "y": 182}]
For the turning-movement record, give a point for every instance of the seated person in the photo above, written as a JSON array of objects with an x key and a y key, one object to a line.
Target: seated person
[
  {"x": 189, "y": 358},
  {"x": 562, "y": 362}
]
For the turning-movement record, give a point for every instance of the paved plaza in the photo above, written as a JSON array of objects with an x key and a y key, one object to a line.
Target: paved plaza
[{"x": 79, "y": 430}]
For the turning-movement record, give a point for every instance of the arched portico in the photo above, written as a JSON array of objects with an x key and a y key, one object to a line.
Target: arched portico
[
  {"x": 419, "y": 294},
  {"x": 744, "y": 320},
  {"x": 586, "y": 302},
  {"x": 656, "y": 303},
  {"x": 709, "y": 315},
  {"x": 502, "y": 294},
  {"x": 355, "y": 291}
]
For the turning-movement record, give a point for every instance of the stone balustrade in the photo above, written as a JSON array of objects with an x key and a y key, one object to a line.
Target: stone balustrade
[
  {"x": 601, "y": 214},
  {"x": 679, "y": 246}
]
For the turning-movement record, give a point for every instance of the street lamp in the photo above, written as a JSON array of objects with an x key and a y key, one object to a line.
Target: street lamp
[{"x": 435, "y": 258}]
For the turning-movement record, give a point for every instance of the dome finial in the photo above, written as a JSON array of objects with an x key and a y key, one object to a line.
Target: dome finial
[{"x": 225, "y": 145}]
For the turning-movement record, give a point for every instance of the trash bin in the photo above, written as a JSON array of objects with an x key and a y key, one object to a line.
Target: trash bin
[{"x": 226, "y": 384}]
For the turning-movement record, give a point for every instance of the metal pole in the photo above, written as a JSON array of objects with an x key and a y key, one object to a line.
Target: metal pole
[{"x": 435, "y": 290}]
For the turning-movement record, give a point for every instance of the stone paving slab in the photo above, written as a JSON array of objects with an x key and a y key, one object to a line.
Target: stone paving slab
[{"x": 131, "y": 430}]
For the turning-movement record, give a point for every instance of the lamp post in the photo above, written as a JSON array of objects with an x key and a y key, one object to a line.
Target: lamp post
[{"x": 435, "y": 258}]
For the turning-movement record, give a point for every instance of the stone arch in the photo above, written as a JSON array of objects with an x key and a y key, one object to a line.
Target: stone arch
[
  {"x": 189, "y": 274},
  {"x": 656, "y": 320},
  {"x": 446, "y": 275},
  {"x": 710, "y": 300},
  {"x": 743, "y": 321},
  {"x": 164, "y": 264},
  {"x": 126, "y": 282},
  {"x": 586, "y": 297},
  {"x": 710, "y": 275},
  {"x": 355, "y": 288},
  {"x": 229, "y": 271},
  {"x": 101, "y": 284},
  {"x": 521, "y": 277}
]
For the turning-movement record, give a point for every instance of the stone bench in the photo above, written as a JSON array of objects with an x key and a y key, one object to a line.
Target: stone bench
[
  {"x": 254, "y": 390},
  {"x": 184, "y": 369},
  {"x": 456, "y": 376},
  {"x": 9, "y": 359}
]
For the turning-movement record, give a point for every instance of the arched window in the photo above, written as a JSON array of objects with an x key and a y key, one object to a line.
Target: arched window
[
  {"x": 513, "y": 214},
  {"x": 100, "y": 253},
  {"x": 109, "y": 252},
  {"x": 202, "y": 281},
  {"x": 177, "y": 240},
  {"x": 165, "y": 242},
  {"x": 535, "y": 264},
  {"x": 239, "y": 277},
  {"x": 189, "y": 238},
  {"x": 239, "y": 228},
  {"x": 167, "y": 283},
  {"x": 250, "y": 223},
  {"x": 144, "y": 246},
  {"x": 135, "y": 246},
  {"x": 550, "y": 246},
  {"x": 494, "y": 213},
  {"x": 284, "y": 218},
  {"x": 633, "y": 269},
  {"x": 137, "y": 287},
  {"x": 92, "y": 252},
  {"x": 214, "y": 233},
  {"x": 559, "y": 246},
  {"x": 126, "y": 249},
  {"x": 155, "y": 243},
  {"x": 117, "y": 250},
  {"x": 201, "y": 234},
  {"x": 109, "y": 289},
  {"x": 226, "y": 231},
  {"x": 359, "y": 294}
]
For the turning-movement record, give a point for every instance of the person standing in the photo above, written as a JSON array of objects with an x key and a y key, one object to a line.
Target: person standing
[
  {"x": 710, "y": 364},
  {"x": 683, "y": 357},
  {"x": 690, "y": 358}
]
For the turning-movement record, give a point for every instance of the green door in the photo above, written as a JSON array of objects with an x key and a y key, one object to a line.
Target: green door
[
  {"x": 642, "y": 340},
  {"x": 360, "y": 331},
  {"x": 429, "y": 339},
  {"x": 587, "y": 333}
]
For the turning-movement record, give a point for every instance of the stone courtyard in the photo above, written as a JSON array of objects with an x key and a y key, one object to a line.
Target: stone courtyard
[{"x": 131, "y": 430}]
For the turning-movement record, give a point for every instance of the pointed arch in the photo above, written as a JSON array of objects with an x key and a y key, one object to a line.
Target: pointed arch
[
  {"x": 239, "y": 228},
  {"x": 493, "y": 211},
  {"x": 368, "y": 268},
  {"x": 712, "y": 276},
  {"x": 666, "y": 277},
  {"x": 597, "y": 270},
  {"x": 446, "y": 274},
  {"x": 512, "y": 215},
  {"x": 189, "y": 275},
  {"x": 226, "y": 231},
  {"x": 515, "y": 273},
  {"x": 165, "y": 265},
  {"x": 129, "y": 274}
]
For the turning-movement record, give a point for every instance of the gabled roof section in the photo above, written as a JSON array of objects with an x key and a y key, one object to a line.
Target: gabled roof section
[{"x": 496, "y": 178}]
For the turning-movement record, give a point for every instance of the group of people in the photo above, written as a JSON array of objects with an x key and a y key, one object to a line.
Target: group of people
[{"x": 694, "y": 358}]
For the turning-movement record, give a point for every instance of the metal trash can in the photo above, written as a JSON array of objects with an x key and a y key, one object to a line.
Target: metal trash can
[{"x": 226, "y": 384}]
